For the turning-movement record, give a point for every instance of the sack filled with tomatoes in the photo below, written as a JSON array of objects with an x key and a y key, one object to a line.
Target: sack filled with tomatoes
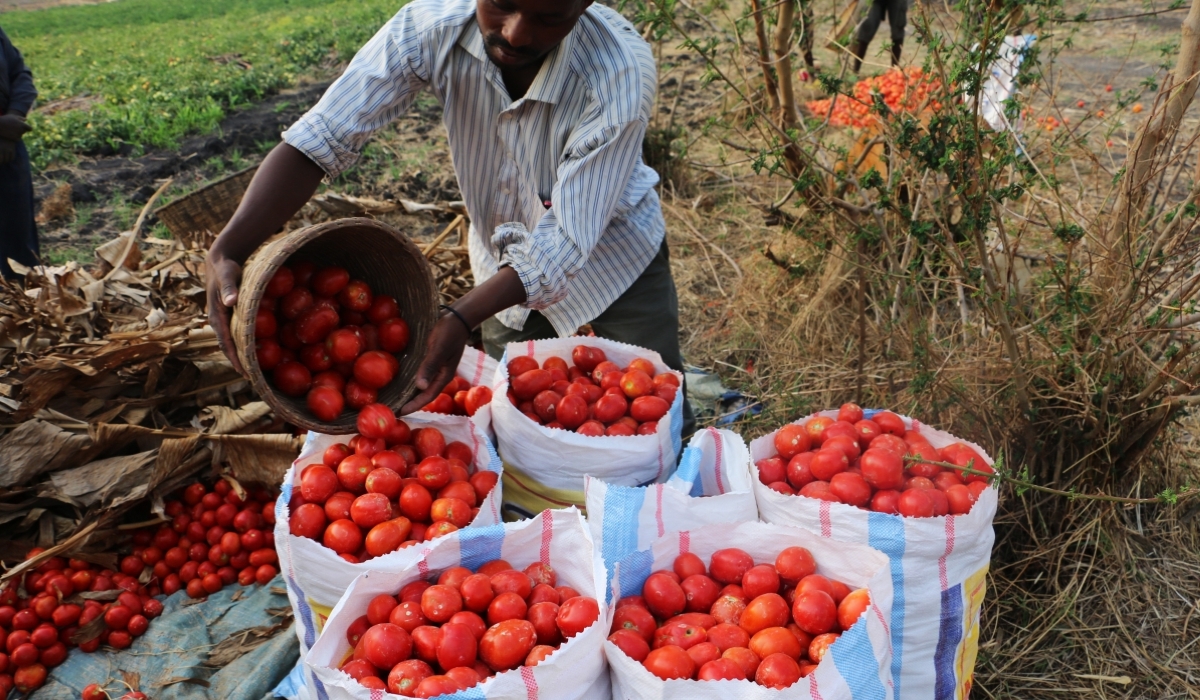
[
  {"x": 569, "y": 407},
  {"x": 711, "y": 485},
  {"x": 346, "y": 509},
  {"x": 769, "y": 611},
  {"x": 470, "y": 392},
  {"x": 883, "y": 479},
  {"x": 505, "y": 612}
]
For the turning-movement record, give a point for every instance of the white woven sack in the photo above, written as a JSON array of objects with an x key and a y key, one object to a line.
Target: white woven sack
[
  {"x": 559, "y": 459},
  {"x": 316, "y": 577},
  {"x": 576, "y": 671},
  {"x": 711, "y": 485},
  {"x": 479, "y": 369},
  {"x": 857, "y": 664},
  {"x": 938, "y": 567}
]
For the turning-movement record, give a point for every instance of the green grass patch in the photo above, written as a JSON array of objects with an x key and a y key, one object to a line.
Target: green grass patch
[{"x": 164, "y": 69}]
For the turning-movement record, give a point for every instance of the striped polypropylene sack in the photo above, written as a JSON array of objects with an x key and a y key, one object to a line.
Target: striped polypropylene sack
[
  {"x": 549, "y": 464},
  {"x": 711, "y": 485},
  {"x": 575, "y": 671},
  {"x": 938, "y": 568},
  {"x": 857, "y": 664},
  {"x": 316, "y": 577},
  {"x": 478, "y": 369}
]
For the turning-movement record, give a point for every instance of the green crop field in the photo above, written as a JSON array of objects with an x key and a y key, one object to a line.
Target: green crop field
[{"x": 153, "y": 71}]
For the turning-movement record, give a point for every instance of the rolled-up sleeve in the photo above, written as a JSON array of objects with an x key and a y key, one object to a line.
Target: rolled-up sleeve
[
  {"x": 22, "y": 93},
  {"x": 377, "y": 87},
  {"x": 592, "y": 177}
]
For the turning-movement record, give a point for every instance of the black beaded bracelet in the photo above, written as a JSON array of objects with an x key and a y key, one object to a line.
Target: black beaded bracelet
[{"x": 456, "y": 315}]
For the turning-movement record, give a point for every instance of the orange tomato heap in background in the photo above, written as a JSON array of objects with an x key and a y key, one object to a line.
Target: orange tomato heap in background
[
  {"x": 861, "y": 462},
  {"x": 436, "y": 638},
  {"x": 903, "y": 90},
  {"x": 375, "y": 495},
  {"x": 769, "y": 623}
]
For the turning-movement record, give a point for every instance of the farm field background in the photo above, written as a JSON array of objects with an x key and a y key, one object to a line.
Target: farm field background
[{"x": 145, "y": 73}]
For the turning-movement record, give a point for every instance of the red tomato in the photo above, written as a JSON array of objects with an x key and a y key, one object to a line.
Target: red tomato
[
  {"x": 771, "y": 470},
  {"x": 293, "y": 304},
  {"x": 408, "y": 615},
  {"x": 434, "y": 686},
  {"x": 852, "y": 607},
  {"x": 744, "y": 658},
  {"x": 327, "y": 282},
  {"x": 850, "y": 489},
  {"x": 648, "y": 408},
  {"x": 610, "y": 408},
  {"x": 393, "y": 335},
  {"x": 507, "y": 606},
  {"x": 343, "y": 537},
  {"x": 457, "y": 647},
  {"x": 478, "y": 397},
  {"x": 387, "y": 536},
  {"x": 370, "y": 509},
  {"x": 405, "y": 676},
  {"x": 767, "y": 610},
  {"x": 374, "y": 369},
  {"x": 794, "y": 563},
  {"x": 679, "y": 633},
  {"x": 520, "y": 365},
  {"x": 827, "y": 462},
  {"x": 385, "y": 481},
  {"x": 433, "y": 472},
  {"x": 701, "y": 591},
  {"x": 730, "y": 565},
  {"x": 544, "y": 616},
  {"x": 429, "y": 442},
  {"x": 356, "y": 296},
  {"x": 721, "y": 670},
  {"x": 670, "y": 662},
  {"x": 728, "y": 636},
  {"x": 375, "y": 420},
  {"x": 915, "y": 503},
  {"x": 759, "y": 580},
  {"x": 728, "y": 609},
  {"x": 636, "y": 383},
  {"x": 635, "y": 618},
  {"x": 815, "y": 427},
  {"x": 776, "y": 640},
  {"x": 505, "y": 645},
  {"x": 960, "y": 499},
  {"x": 890, "y": 423},
  {"x": 886, "y": 501},
  {"x": 439, "y": 603},
  {"x": 703, "y": 653},
  {"x": 790, "y": 441},
  {"x": 586, "y": 358},
  {"x": 325, "y": 403},
  {"x": 384, "y": 645},
  {"x": 632, "y": 643},
  {"x": 664, "y": 596},
  {"x": 529, "y": 384},
  {"x": 850, "y": 413},
  {"x": 688, "y": 564},
  {"x": 308, "y": 520},
  {"x": 576, "y": 615},
  {"x": 777, "y": 671},
  {"x": 814, "y": 612},
  {"x": 291, "y": 378},
  {"x": 820, "y": 645},
  {"x": 591, "y": 428}
]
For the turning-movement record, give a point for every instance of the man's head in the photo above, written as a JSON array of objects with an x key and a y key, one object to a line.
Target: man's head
[{"x": 518, "y": 33}]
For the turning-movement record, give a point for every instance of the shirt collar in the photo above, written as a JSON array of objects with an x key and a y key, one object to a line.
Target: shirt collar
[{"x": 551, "y": 80}]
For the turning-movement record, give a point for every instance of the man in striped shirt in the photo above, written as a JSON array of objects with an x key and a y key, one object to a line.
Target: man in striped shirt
[{"x": 545, "y": 105}]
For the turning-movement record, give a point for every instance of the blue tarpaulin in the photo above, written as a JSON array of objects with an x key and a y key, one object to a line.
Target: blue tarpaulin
[{"x": 178, "y": 644}]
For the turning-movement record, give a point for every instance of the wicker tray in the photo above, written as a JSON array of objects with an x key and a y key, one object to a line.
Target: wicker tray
[
  {"x": 197, "y": 218},
  {"x": 373, "y": 252}
]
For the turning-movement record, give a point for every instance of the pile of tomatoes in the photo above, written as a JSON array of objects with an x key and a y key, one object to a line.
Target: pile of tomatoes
[
  {"x": 214, "y": 538},
  {"x": 593, "y": 396},
  {"x": 770, "y": 623},
  {"x": 902, "y": 90},
  {"x": 321, "y": 334},
  {"x": 459, "y": 398},
  {"x": 872, "y": 464},
  {"x": 440, "y": 638},
  {"x": 373, "y": 496}
]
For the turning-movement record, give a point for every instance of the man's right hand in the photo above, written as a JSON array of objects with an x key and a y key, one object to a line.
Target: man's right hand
[
  {"x": 223, "y": 276},
  {"x": 12, "y": 127},
  {"x": 8, "y": 151}
]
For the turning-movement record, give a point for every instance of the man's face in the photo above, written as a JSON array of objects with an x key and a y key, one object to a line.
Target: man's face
[{"x": 518, "y": 33}]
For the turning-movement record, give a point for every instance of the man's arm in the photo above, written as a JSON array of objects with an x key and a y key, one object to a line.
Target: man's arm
[
  {"x": 378, "y": 85},
  {"x": 20, "y": 101}
]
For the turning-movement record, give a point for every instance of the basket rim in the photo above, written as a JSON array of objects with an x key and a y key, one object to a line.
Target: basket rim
[
  {"x": 207, "y": 186},
  {"x": 277, "y": 252}
]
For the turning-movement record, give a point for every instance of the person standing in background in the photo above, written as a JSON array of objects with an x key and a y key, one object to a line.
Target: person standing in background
[
  {"x": 18, "y": 232},
  {"x": 897, "y": 16}
]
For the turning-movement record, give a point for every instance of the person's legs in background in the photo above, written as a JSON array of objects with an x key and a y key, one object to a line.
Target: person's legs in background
[
  {"x": 866, "y": 31},
  {"x": 897, "y": 12},
  {"x": 18, "y": 232},
  {"x": 646, "y": 315}
]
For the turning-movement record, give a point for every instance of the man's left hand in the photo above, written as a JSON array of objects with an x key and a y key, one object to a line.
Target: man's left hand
[
  {"x": 442, "y": 353},
  {"x": 8, "y": 151},
  {"x": 12, "y": 127}
]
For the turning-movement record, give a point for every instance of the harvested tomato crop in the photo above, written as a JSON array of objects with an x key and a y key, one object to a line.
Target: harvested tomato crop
[
  {"x": 874, "y": 464},
  {"x": 461, "y": 627},
  {"x": 772, "y": 623},
  {"x": 902, "y": 90},
  {"x": 375, "y": 495}
]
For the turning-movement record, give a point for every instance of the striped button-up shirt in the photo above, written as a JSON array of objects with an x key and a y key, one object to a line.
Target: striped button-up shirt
[{"x": 554, "y": 182}]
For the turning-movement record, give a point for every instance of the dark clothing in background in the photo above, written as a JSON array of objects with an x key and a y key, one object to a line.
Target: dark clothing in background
[
  {"x": 897, "y": 16},
  {"x": 18, "y": 232}
]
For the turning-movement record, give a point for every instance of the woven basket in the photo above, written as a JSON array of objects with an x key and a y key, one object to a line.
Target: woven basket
[
  {"x": 373, "y": 252},
  {"x": 197, "y": 218}
]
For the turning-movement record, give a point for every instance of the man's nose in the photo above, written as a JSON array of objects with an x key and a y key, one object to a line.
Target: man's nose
[{"x": 517, "y": 31}]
